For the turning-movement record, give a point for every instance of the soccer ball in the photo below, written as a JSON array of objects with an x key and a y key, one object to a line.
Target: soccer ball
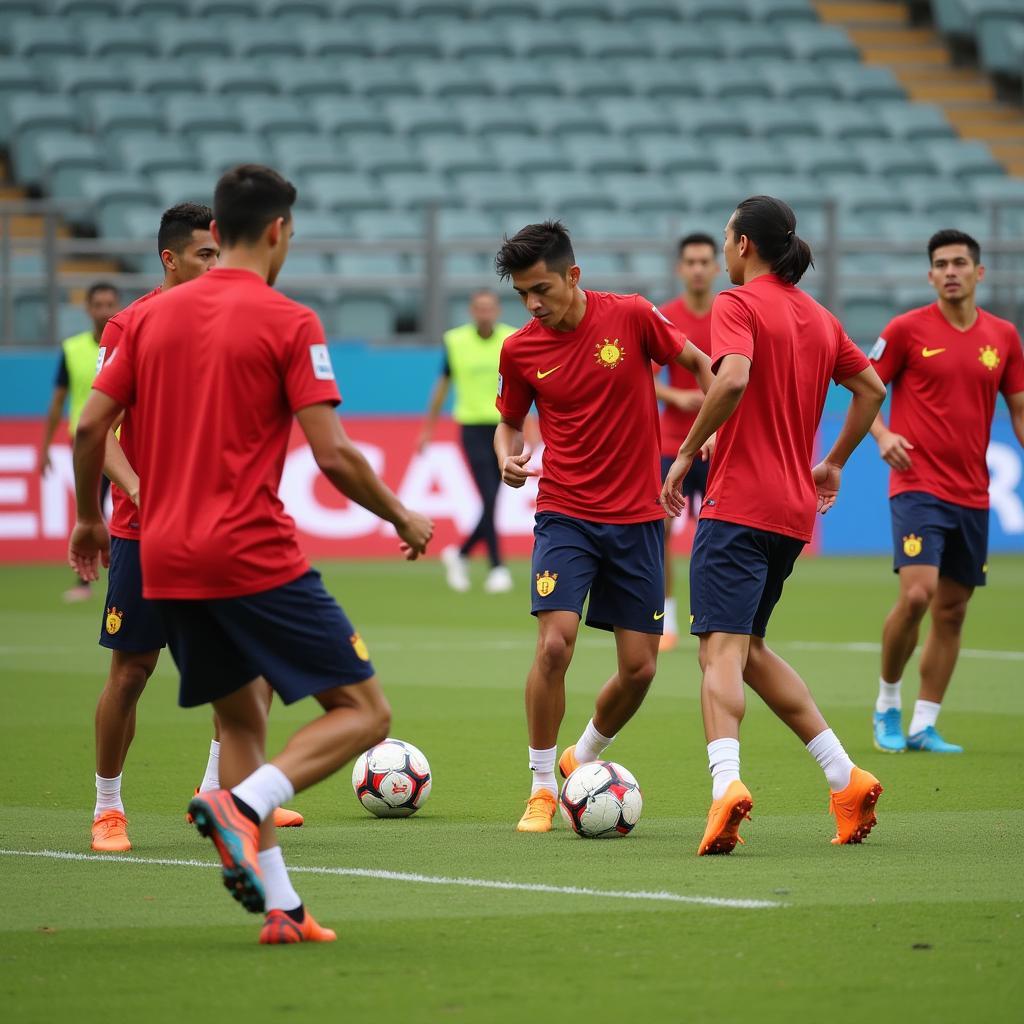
[
  {"x": 601, "y": 800},
  {"x": 392, "y": 779}
]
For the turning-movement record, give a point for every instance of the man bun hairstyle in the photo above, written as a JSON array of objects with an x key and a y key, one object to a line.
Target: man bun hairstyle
[
  {"x": 950, "y": 236},
  {"x": 247, "y": 199},
  {"x": 178, "y": 223},
  {"x": 548, "y": 241},
  {"x": 771, "y": 225}
]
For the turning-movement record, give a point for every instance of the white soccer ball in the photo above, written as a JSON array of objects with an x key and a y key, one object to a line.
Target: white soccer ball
[
  {"x": 601, "y": 800},
  {"x": 392, "y": 779}
]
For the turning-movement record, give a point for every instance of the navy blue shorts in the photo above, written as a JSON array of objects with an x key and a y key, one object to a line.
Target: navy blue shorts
[
  {"x": 620, "y": 565},
  {"x": 295, "y": 636},
  {"x": 929, "y": 531},
  {"x": 130, "y": 622},
  {"x": 736, "y": 577},
  {"x": 696, "y": 480}
]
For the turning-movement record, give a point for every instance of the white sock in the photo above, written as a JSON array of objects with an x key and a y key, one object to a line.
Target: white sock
[
  {"x": 833, "y": 760},
  {"x": 926, "y": 713},
  {"x": 888, "y": 696},
  {"x": 108, "y": 795},
  {"x": 268, "y": 787},
  {"x": 276, "y": 883},
  {"x": 211, "y": 780},
  {"x": 670, "y": 623},
  {"x": 724, "y": 765},
  {"x": 542, "y": 764},
  {"x": 591, "y": 744}
]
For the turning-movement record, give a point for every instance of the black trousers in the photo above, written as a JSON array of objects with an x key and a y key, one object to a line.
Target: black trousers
[{"x": 478, "y": 444}]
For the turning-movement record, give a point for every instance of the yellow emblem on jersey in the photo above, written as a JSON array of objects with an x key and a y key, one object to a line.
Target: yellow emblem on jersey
[
  {"x": 912, "y": 546},
  {"x": 609, "y": 353},
  {"x": 113, "y": 620},
  {"x": 546, "y": 583},
  {"x": 359, "y": 646},
  {"x": 989, "y": 357}
]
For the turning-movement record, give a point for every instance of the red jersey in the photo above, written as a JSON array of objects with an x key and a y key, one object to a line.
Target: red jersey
[
  {"x": 944, "y": 386},
  {"x": 124, "y": 520},
  {"x": 596, "y": 406},
  {"x": 761, "y": 471},
  {"x": 213, "y": 372},
  {"x": 675, "y": 424}
]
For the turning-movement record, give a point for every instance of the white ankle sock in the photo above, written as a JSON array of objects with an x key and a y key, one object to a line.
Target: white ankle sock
[
  {"x": 888, "y": 696},
  {"x": 592, "y": 744},
  {"x": 276, "y": 883},
  {"x": 833, "y": 760},
  {"x": 542, "y": 764},
  {"x": 670, "y": 623},
  {"x": 926, "y": 713},
  {"x": 268, "y": 787},
  {"x": 108, "y": 795},
  {"x": 211, "y": 780},
  {"x": 724, "y": 765}
]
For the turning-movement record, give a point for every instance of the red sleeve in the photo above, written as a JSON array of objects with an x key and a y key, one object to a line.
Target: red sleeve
[
  {"x": 849, "y": 359},
  {"x": 890, "y": 352},
  {"x": 1013, "y": 375},
  {"x": 662, "y": 339},
  {"x": 116, "y": 375},
  {"x": 308, "y": 374},
  {"x": 732, "y": 328},
  {"x": 515, "y": 396},
  {"x": 113, "y": 332}
]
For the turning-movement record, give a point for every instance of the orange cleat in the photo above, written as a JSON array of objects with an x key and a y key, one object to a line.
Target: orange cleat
[
  {"x": 854, "y": 808},
  {"x": 216, "y": 816},
  {"x": 668, "y": 642},
  {"x": 567, "y": 763},
  {"x": 110, "y": 833},
  {"x": 283, "y": 818},
  {"x": 724, "y": 818},
  {"x": 279, "y": 929},
  {"x": 540, "y": 809}
]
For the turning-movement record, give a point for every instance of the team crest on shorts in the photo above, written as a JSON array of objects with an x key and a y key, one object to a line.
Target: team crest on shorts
[
  {"x": 609, "y": 353},
  {"x": 912, "y": 546},
  {"x": 359, "y": 646},
  {"x": 546, "y": 582},
  {"x": 989, "y": 357},
  {"x": 113, "y": 620}
]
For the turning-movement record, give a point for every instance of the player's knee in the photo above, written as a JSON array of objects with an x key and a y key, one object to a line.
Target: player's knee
[
  {"x": 129, "y": 679},
  {"x": 917, "y": 597},
  {"x": 381, "y": 722},
  {"x": 950, "y": 617},
  {"x": 554, "y": 652},
  {"x": 641, "y": 673}
]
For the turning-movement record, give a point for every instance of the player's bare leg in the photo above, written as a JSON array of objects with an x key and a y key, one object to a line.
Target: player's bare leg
[{"x": 777, "y": 683}]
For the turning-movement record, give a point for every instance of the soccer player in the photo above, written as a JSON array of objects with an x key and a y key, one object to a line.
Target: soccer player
[
  {"x": 214, "y": 371},
  {"x": 75, "y": 371},
  {"x": 470, "y": 367},
  {"x": 584, "y": 359},
  {"x": 775, "y": 351},
  {"x": 946, "y": 363},
  {"x": 697, "y": 267}
]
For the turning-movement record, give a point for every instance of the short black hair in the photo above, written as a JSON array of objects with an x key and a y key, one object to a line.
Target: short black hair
[
  {"x": 697, "y": 238},
  {"x": 950, "y": 236},
  {"x": 247, "y": 198},
  {"x": 101, "y": 286},
  {"x": 548, "y": 241},
  {"x": 178, "y": 223}
]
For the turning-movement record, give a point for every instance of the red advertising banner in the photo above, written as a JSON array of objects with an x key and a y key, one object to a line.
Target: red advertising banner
[{"x": 37, "y": 510}]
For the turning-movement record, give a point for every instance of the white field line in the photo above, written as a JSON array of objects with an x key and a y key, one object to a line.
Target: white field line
[
  {"x": 866, "y": 647},
  {"x": 405, "y": 876}
]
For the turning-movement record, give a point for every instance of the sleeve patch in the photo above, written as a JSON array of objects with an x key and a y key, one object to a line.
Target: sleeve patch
[
  {"x": 658, "y": 313},
  {"x": 877, "y": 350},
  {"x": 100, "y": 357},
  {"x": 321, "y": 360},
  {"x": 501, "y": 384}
]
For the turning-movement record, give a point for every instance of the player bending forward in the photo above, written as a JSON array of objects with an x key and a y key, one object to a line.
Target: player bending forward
[
  {"x": 775, "y": 350},
  {"x": 585, "y": 359},
  {"x": 214, "y": 371}
]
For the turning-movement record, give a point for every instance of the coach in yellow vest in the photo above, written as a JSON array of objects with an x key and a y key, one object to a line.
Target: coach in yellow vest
[
  {"x": 76, "y": 368},
  {"x": 471, "y": 368}
]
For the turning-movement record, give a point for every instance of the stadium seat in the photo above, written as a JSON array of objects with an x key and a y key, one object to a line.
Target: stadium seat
[
  {"x": 792, "y": 80},
  {"x": 393, "y": 155},
  {"x": 592, "y": 153},
  {"x": 153, "y": 9},
  {"x": 191, "y": 39},
  {"x": 994, "y": 21},
  {"x": 686, "y": 42},
  {"x": 364, "y": 316},
  {"x": 729, "y": 81},
  {"x": 739, "y": 156},
  {"x": 307, "y": 80},
  {"x": 18, "y": 76},
  {"x": 612, "y": 42},
  {"x": 456, "y": 79},
  {"x": 193, "y": 116},
  {"x": 894, "y": 158},
  {"x": 439, "y": 9},
  {"x": 860, "y": 195},
  {"x": 169, "y": 77},
  {"x": 381, "y": 79},
  {"x": 824, "y": 156},
  {"x": 28, "y": 115},
  {"x": 476, "y": 41},
  {"x": 779, "y": 12},
  {"x": 416, "y": 189},
  {"x": 278, "y": 116},
  {"x": 460, "y": 223},
  {"x": 58, "y": 160},
  {"x": 588, "y": 82},
  {"x": 312, "y": 223},
  {"x": 754, "y": 42},
  {"x": 496, "y": 191},
  {"x": 865, "y": 82},
  {"x": 218, "y": 151},
  {"x": 776, "y": 121},
  {"x": 824, "y": 43},
  {"x": 118, "y": 38},
  {"x": 405, "y": 41},
  {"x": 388, "y": 225},
  {"x": 713, "y": 196},
  {"x": 173, "y": 186},
  {"x": 43, "y": 37},
  {"x": 306, "y": 9},
  {"x": 446, "y": 156},
  {"x": 643, "y": 193},
  {"x": 846, "y": 121},
  {"x": 265, "y": 39},
  {"x": 569, "y": 192},
  {"x": 531, "y": 46},
  {"x": 661, "y": 79},
  {"x": 148, "y": 152},
  {"x": 963, "y": 159},
  {"x": 423, "y": 116},
  {"x": 994, "y": 189},
  {"x": 81, "y": 76},
  {"x": 521, "y": 79},
  {"x": 237, "y": 78},
  {"x": 712, "y": 120},
  {"x": 637, "y": 117},
  {"x": 612, "y": 226},
  {"x": 226, "y": 9},
  {"x": 571, "y": 12},
  {"x": 349, "y": 114},
  {"x": 484, "y": 117},
  {"x": 655, "y": 13},
  {"x": 120, "y": 115},
  {"x": 943, "y": 197},
  {"x": 111, "y": 195},
  {"x": 683, "y": 154},
  {"x": 297, "y": 155},
  {"x": 332, "y": 39},
  {"x": 866, "y": 312},
  {"x": 344, "y": 192},
  {"x": 913, "y": 120},
  {"x": 541, "y": 154}
]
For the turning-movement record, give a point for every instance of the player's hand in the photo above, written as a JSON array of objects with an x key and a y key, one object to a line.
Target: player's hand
[
  {"x": 707, "y": 449},
  {"x": 514, "y": 471},
  {"x": 89, "y": 545},
  {"x": 893, "y": 448},
  {"x": 827, "y": 477},
  {"x": 133, "y": 495},
  {"x": 672, "y": 500},
  {"x": 44, "y": 462},
  {"x": 415, "y": 532}
]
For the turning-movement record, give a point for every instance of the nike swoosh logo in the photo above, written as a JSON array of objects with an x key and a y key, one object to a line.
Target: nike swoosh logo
[
  {"x": 658, "y": 616},
  {"x": 929, "y": 352},
  {"x": 541, "y": 374}
]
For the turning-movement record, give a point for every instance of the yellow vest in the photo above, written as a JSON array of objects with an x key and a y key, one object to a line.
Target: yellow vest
[
  {"x": 81, "y": 352},
  {"x": 473, "y": 362}
]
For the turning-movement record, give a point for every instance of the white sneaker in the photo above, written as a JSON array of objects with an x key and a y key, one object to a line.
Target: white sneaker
[
  {"x": 499, "y": 580},
  {"x": 456, "y": 570}
]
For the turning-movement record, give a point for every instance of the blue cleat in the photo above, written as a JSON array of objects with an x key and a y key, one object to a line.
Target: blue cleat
[
  {"x": 889, "y": 732},
  {"x": 929, "y": 741}
]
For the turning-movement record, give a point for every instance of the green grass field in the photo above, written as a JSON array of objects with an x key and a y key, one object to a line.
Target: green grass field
[{"x": 923, "y": 922}]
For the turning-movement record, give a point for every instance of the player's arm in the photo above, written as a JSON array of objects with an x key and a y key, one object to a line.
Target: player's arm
[
  {"x": 437, "y": 397},
  {"x": 1015, "y": 403},
  {"x": 685, "y": 399},
  {"x": 117, "y": 467},
  {"x": 53, "y": 414},
  {"x": 347, "y": 469},
  {"x": 888, "y": 356},
  {"x": 698, "y": 364}
]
